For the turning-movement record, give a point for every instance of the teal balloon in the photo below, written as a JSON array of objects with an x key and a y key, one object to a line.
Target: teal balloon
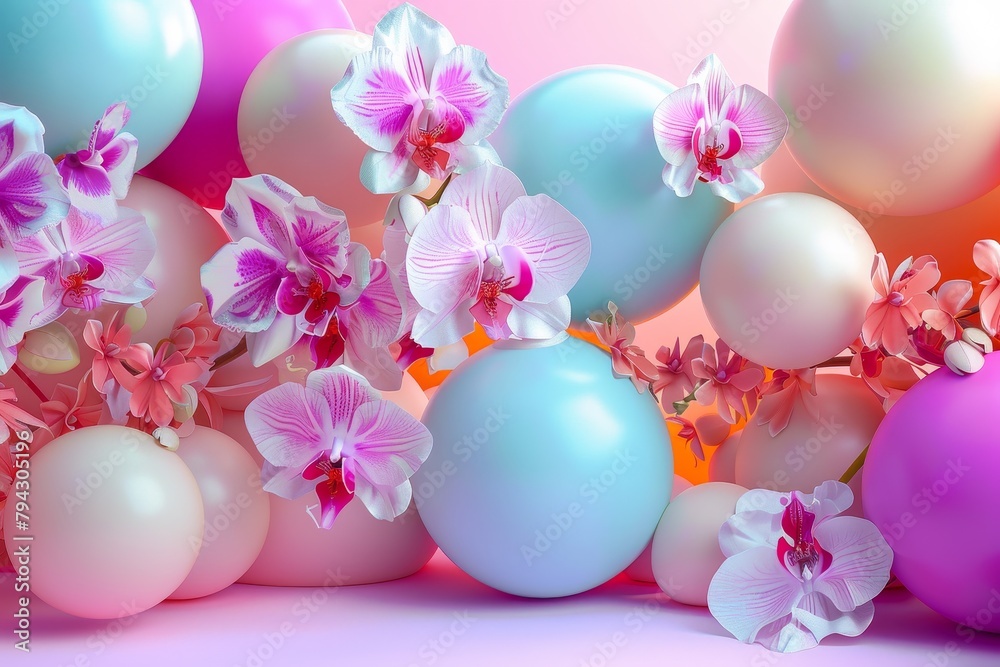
[
  {"x": 69, "y": 60},
  {"x": 585, "y": 137},
  {"x": 548, "y": 475}
]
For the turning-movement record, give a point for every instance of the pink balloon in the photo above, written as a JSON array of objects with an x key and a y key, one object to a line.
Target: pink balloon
[
  {"x": 930, "y": 486},
  {"x": 722, "y": 465},
  {"x": 204, "y": 158},
  {"x": 236, "y": 512},
  {"x": 113, "y": 517},
  {"x": 641, "y": 568},
  {"x": 359, "y": 549},
  {"x": 288, "y": 129}
]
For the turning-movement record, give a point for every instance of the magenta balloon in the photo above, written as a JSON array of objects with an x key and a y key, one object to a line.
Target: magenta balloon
[
  {"x": 930, "y": 486},
  {"x": 237, "y": 511},
  {"x": 205, "y": 157}
]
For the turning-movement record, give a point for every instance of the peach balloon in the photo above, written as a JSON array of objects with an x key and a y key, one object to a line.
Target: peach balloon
[
  {"x": 359, "y": 549},
  {"x": 113, "y": 516},
  {"x": 642, "y": 568},
  {"x": 236, "y": 512},
  {"x": 722, "y": 464},
  {"x": 686, "y": 552},
  {"x": 892, "y": 104},
  {"x": 811, "y": 450},
  {"x": 288, "y": 129}
]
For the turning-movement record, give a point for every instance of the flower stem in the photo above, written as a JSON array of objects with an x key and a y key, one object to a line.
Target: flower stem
[
  {"x": 29, "y": 383},
  {"x": 855, "y": 467},
  {"x": 435, "y": 198},
  {"x": 232, "y": 355},
  {"x": 836, "y": 362}
]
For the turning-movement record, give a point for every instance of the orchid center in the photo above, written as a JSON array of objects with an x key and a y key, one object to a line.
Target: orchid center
[
  {"x": 714, "y": 145},
  {"x": 490, "y": 291},
  {"x": 896, "y": 299},
  {"x": 333, "y": 473},
  {"x": 799, "y": 551}
]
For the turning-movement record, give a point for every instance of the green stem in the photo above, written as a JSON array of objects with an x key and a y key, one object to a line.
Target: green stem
[
  {"x": 855, "y": 467},
  {"x": 435, "y": 198}
]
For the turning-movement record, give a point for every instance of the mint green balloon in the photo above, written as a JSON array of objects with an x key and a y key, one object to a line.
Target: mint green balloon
[
  {"x": 69, "y": 60},
  {"x": 585, "y": 137}
]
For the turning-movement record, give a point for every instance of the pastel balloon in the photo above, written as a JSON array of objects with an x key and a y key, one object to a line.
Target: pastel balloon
[
  {"x": 548, "y": 474},
  {"x": 237, "y": 512},
  {"x": 686, "y": 553},
  {"x": 786, "y": 281},
  {"x": 90, "y": 55},
  {"x": 585, "y": 137},
  {"x": 722, "y": 464},
  {"x": 930, "y": 485},
  {"x": 359, "y": 549},
  {"x": 641, "y": 568},
  {"x": 204, "y": 158},
  {"x": 287, "y": 127},
  {"x": 811, "y": 449},
  {"x": 902, "y": 145},
  {"x": 113, "y": 516}
]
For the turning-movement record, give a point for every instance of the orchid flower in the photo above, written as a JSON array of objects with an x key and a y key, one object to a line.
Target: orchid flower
[
  {"x": 888, "y": 377},
  {"x": 730, "y": 383},
  {"x": 68, "y": 409},
  {"x": 290, "y": 266},
  {"x": 20, "y": 299},
  {"x": 987, "y": 257},
  {"x": 951, "y": 298},
  {"x": 706, "y": 431},
  {"x": 796, "y": 572},
  {"x": 787, "y": 391},
  {"x": 421, "y": 103},
  {"x": 99, "y": 175},
  {"x": 337, "y": 436},
  {"x": 675, "y": 380},
  {"x": 160, "y": 385},
  {"x": 31, "y": 195},
  {"x": 900, "y": 303},
  {"x": 627, "y": 360},
  {"x": 112, "y": 345},
  {"x": 196, "y": 335},
  {"x": 12, "y": 418},
  {"x": 711, "y": 131},
  {"x": 488, "y": 253},
  {"x": 86, "y": 261}
]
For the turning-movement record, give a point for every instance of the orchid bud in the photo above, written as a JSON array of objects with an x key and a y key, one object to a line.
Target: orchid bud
[
  {"x": 411, "y": 211},
  {"x": 184, "y": 411},
  {"x": 135, "y": 317},
  {"x": 167, "y": 438},
  {"x": 963, "y": 358},
  {"x": 50, "y": 350},
  {"x": 978, "y": 338}
]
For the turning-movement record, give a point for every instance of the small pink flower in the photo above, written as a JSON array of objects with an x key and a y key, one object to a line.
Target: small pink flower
[
  {"x": 987, "y": 257},
  {"x": 706, "y": 431},
  {"x": 675, "y": 380},
  {"x": 195, "y": 333},
  {"x": 951, "y": 298},
  {"x": 68, "y": 409},
  {"x": 338, "y": 437},
  {"x": 627, "y": 360},
  {"x": 900, "y": 303},
  {"x": 786, "y": 391},
  {"x": 730, "y": 383},
  {"x": 888, "y": 377},
  {"x": 162, "y": 382},
  {"x": 12, "y": 418},
  {"x": 112, "y": 345}
]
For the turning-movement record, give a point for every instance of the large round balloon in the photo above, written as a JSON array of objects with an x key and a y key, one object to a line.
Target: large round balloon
[
  {"x": 113, "y": 516},
  {"x": 287, "y": 127},
  {"x": 69, "y": 61},
  {"x": 548, "y": 474},
  {"x": 205, "y": 157},
  {"x": 873, "y": 137},
  {"x": 786, "y": 281},
  {"x": 585, "y": 137},
  {"x": 930, "y": 486},
  {"x": 641, "y": 568}
]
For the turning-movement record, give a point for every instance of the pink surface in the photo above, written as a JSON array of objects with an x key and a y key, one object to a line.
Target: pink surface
[{"x": 442, "y": 617}]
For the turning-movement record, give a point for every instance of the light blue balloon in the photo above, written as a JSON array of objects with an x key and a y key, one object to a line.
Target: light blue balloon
[
  {"x": 585, "y": 137},
  {"x": 69, "y": 60},
  {"x": 548, "y": 475}
]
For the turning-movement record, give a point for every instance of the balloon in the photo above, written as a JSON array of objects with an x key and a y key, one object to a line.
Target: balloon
[
  {"x": 641, "y": 568},
  {"x": 359, "y": 549},
  {"x": 205, "y": 157},
  {"x": 930, "y": 486},
  {"x": 585, "y": 137},
  {"x": 722, "y": 465},
  {"x": 786, "y": 281},
  {"x": 69, "y": 61},
  {"x": 909, "y": 145},
  {"x": 236, "y": 512},
  {"x": 548, "y": 474},
  {"x": 113, "y": 516},
  {"x": 686, "y": 552},
  {"x": 811, "y": 449},
  {"x": 288, "y": 129}
]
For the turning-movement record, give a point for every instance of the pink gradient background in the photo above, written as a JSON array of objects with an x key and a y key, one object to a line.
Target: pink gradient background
[{"x": 395, "y": 623}]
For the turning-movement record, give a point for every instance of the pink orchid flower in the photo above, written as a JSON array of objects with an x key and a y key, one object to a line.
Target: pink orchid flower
[
  {"x": 31, "y": 195},
  {"x": 12, "y": 418},
  {"x": 112, "y": 345},
  {"x": 68, "y": 409},
  {"x": 730, "y": 383},
  {"x": 951, "y": 298},
  {"x": 787, "y": 391},
  {"x": 795, "y": 572},
  {"x": 627, "y": 360},
  {"x": 675, "y": 380},
  {"x": 86, "y": 261},
  {"x": 290, "y": 266},
  {"x": 20, "y": 299},
  {"x": 488, "y": 253},
  {"x": 422, "y": 104},
  {"x": 888, "y": 377},
  {"x": 705, "y": 431},
  {"x": 161, "y": 384},
  {"x": 99, "y": 175},
  {"x": 900, "y": 303},
  {"x": 987, "y": 257},
  {"x": 337, "y": 436},
  {"x": 195, "y": 333},
  {"x": 711, "y": 131}
]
